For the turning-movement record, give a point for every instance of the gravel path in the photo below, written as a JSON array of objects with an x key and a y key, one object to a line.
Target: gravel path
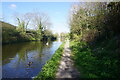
[{"x": 66, "y": 68}]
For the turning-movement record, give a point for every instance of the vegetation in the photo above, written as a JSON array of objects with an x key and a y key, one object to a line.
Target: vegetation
[
  {"x": 95, "y": 35},
  {"x": 40, "y": 23},
  {"x": 50, "y": 68},
  {"x": 96, "y": 61},
  {"x": 11, "y": 33},
  {"x": 64, "y": 36}
]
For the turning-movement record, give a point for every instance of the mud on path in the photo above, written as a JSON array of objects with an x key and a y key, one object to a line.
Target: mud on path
[{"x": 66, "y": 68}]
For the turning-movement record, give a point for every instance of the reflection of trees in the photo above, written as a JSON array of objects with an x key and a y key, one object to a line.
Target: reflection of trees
[
  {"x": 9, "y": 51},
  {"x": 40, "y": 48},
  {"x": 23, "y": 53},
  {"x": 22, "y": 56}
]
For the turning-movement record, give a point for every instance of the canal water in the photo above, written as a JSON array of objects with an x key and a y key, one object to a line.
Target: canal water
[{"x": 25, "y": 60}]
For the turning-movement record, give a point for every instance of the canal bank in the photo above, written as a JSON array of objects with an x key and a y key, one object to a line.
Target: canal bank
[
  {"x": 11, "y": 34},
  {"x": 50, "y": 68}
]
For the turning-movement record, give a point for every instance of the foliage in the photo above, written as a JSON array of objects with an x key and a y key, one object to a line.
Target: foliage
[
  {"x": 98, "y": 61},
  {"x": 11, "y": 33},
  {"x": 113, "y": 17},
  {"x": 50, "y": 68},
  {"x": 41, "y": 21},
  {"x": 37, "y": 20},
  {"x": 100, "y": 16},
  {"x": 23, "y": 22},
  {"x": 64, "y": 36},
  {"x": 94, "y": 30},
  {"x": 7, "y": 32}
]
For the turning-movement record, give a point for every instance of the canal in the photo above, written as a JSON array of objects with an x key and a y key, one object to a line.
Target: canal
[{"x": 25, "y": 60}]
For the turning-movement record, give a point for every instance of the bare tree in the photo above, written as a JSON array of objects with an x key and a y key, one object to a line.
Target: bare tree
[
  {"x": 23, "y": 21},
  {"x": 41, "y": 21}
]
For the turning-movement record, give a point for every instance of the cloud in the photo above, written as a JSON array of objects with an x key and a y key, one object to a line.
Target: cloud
[{"x": 13, "y": 6}]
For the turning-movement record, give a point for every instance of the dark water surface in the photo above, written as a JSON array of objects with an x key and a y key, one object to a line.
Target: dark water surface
[{"x": 25, "y": 60}]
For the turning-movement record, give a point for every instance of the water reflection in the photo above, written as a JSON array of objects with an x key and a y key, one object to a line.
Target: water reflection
[{"x": 25, "y": 60}]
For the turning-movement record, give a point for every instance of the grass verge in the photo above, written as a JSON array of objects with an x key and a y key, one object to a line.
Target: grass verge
[
  {"x": 49, "y": 69},
  {"x": 100, "y": 60}
]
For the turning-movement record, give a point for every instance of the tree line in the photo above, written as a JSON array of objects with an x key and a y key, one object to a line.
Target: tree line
[
  {"x": 38, "y": 21},
  {"x": 91, "y": 20}
]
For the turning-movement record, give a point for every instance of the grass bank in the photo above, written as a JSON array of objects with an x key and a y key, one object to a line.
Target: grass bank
[
  {"x": 11, "y": 35},
  {"x": 98, "y": 60},
  {"x": 49, "y": 69}
]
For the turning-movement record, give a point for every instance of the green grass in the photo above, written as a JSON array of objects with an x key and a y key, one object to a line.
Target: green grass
[
  {"x": 50, "y": 68},
  {"x": 100, "y": 60}
]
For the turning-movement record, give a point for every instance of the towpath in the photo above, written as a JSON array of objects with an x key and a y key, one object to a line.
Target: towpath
[{"x": 66, "y": 68}]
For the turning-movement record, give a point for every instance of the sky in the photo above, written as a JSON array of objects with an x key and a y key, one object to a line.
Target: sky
[{"x": 57, "y": 11}]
